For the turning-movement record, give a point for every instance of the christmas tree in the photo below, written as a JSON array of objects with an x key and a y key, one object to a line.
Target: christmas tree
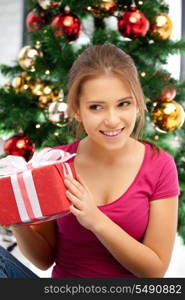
[{"x": 33, "y": 104}]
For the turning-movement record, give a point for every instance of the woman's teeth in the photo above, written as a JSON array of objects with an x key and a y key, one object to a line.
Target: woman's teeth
[{"x": 112, "y": 133}]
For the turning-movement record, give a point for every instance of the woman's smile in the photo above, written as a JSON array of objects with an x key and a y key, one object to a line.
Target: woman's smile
[{"x": 112, "y": 134}]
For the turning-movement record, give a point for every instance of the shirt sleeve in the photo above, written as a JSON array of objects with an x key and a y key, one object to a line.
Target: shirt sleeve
[
  {"x": 167, "y": 184},
  {"x": 71, "y": 148}
]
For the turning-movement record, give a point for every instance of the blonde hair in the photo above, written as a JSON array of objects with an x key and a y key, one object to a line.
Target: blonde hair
[{"x": 105, "y": 59}]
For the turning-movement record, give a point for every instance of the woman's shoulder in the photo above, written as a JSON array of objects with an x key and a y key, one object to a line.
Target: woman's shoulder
[
  {"x": 71, "y": 147},
  {"x": 156, "y": 154},
  {"x": 161, "y": 172}
]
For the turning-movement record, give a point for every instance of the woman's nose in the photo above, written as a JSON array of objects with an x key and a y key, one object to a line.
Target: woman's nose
[{"x": 112, "y": 119}]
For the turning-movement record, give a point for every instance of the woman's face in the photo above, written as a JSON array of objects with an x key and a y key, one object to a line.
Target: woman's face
[{"x": 107, "y": 111}]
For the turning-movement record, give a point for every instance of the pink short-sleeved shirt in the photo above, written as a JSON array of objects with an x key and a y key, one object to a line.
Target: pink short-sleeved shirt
[{"x": 80, "y": 253}]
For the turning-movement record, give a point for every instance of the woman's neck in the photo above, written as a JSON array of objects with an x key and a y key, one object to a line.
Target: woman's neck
[{"x": 95, "y": 152}]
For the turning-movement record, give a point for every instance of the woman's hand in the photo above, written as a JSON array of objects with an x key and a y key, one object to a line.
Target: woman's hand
[{"x": 83, "y": 205}]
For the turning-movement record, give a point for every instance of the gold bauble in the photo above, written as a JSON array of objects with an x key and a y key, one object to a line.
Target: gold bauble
[
  {"x": 27, "y": 57},
  {"x": 41, "y": 89},
  {"x": 22, "y": 83},
  {"x": 104, "y": 9},
  {"x": 162, "y": 28},
  {"x": 49, "y": 95},
  {"x": 168, "y": 116},
  {"x": 45, "y": 100},
  {"x": 45, "y": 93}
]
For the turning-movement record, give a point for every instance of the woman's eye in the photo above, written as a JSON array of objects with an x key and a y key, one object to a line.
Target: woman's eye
[
  {"x": 98, "y": 107},
  {"x": 95, "y": 107},
  {"x": 125, "y": 103}
]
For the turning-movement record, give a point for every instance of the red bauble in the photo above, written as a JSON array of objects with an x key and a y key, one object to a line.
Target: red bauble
[
  {"x": 68, "y": 25},
  {"x": 19, "y": 145},
  {"x": 168, "y": 94},
  {"x": 35, "y": 21},
  {"x": 133, "y": 24}
]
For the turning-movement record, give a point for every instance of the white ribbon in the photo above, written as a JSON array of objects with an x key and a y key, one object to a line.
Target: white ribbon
[{"x": 12, "y": 164}]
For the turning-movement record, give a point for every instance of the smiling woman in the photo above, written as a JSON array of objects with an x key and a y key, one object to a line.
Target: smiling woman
[
  {"x": 124, "y": 195},
  {"x": 120, "y": 81}
]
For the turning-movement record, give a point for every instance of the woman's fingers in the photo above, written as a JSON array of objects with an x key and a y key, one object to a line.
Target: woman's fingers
[
  {"x": 76, "y": 212},
  {"x": 74, "y": 182},
  {"x": 74, "y": 200},
  {"x": 73, "y": 187}
]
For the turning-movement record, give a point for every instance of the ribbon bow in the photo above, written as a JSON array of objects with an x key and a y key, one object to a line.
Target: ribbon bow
[{"x": 14, "y": 164}]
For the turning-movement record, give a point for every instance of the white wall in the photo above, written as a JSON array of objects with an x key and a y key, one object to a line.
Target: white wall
[
  {"x": 175, "y": 8},
  {"x": 10, "y": 31}
]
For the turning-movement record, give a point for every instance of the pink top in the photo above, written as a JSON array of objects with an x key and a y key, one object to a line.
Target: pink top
[{"x": 80, "y": 253}]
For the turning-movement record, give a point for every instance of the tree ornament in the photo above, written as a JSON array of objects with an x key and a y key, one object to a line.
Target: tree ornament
[
  {"x": 168, "y": 94},
  {"x": 46, "y": 94},
  {"x": 133, "y": 24},
  {"x": 19, "y": 145},
  {"x": 162, "y": 27},
  {"x": 47, "y": 4},
  {"x": 35, "y": 21},
  {"x": 22, "y": 83},
  {"x": 57, "y": 113},
  {"x": 27, "y": 57},
  {"x": 104, "y": 9},
  {"x": 40, "y": 88},
  {"x": 67, "y": 25},
  {"x": 168, "y": 116},
  {"x": 45, "y": 100}
]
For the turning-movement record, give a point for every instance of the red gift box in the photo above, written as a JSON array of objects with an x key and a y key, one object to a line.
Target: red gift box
[{"x": 34, "y": 192}]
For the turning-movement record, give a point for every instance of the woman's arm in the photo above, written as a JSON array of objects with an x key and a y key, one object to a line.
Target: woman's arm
[
  {"x": 37, "y": 243},
  {"x": 150, "y": 258}
]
